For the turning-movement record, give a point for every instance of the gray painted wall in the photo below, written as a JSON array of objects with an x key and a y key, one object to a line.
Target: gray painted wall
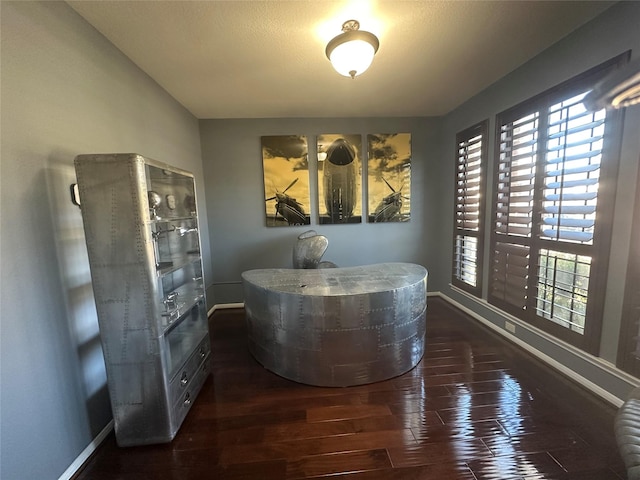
[
  {"x": 65, "y": 90},
  {"x": 613, "y": 32},
  {"x": 232, "y": 158}
]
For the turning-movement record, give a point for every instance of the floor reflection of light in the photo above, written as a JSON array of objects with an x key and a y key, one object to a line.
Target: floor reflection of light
[
  {"x": 464, "y": 399},
  {"x": 510, "y": 396},
  {"x": 507, "y": 461},
  {"x": 463, "y": 410},
  {"x": 510, "y": 403},
  {"x": 508, "y": 410},
  {"x": 417, "y": 401}
]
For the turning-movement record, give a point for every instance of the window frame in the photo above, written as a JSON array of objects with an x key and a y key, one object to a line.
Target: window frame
[
  {"x": 479, "y": 129},
  {"x": 599, "y": 249},
  {"x": 628, "y": 357}
]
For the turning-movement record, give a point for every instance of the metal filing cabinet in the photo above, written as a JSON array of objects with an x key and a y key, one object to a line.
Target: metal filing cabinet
[{"x": 141, "y": 228}]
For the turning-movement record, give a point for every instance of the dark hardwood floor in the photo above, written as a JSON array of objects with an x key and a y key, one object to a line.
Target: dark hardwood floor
[{"x": 476, "y": 407}]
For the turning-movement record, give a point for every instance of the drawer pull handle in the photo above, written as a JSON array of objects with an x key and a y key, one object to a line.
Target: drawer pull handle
[
  {"x": 184, "y": 379},
  {"x": 187, "y": 400},
  {"x": 201, "y": 351}
]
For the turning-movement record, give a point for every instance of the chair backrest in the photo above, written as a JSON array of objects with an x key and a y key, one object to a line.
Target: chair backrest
[{"x": 309, "y": 249}]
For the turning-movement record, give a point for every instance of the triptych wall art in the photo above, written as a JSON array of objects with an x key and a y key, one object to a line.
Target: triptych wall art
[{"x": 339, "y": 166}]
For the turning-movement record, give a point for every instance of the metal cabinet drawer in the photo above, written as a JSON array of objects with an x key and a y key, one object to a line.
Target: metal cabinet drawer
[
  {"x": 189, "y": 393},
  {"x": 186, "y": 375}
]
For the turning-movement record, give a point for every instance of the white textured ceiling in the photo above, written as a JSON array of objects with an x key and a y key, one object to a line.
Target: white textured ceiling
[{"x": 265, "y": 59}]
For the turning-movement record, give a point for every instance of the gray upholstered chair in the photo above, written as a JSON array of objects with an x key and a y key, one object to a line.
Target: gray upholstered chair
[{"x": 627, "y": 430}]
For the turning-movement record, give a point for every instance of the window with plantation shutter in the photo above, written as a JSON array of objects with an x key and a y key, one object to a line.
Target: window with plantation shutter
[
  {"x": 469, "y": 207},
  {"x": 554, "y": 175}
]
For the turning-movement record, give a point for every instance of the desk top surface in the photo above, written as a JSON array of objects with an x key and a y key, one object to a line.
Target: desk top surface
[{"x": 337, "y": 281}]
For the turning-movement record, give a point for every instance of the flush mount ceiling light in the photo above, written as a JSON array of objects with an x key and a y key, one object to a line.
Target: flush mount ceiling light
[{"x": 352, "y": 51}]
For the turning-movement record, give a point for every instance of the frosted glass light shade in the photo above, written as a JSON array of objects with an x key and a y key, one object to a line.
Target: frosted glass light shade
[
  {"x": 351, "y": 52},
  {"x": 352, "y": 58}
]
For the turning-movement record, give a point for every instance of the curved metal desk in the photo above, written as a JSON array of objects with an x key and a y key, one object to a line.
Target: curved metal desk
[{"x": 340, "y": 326}]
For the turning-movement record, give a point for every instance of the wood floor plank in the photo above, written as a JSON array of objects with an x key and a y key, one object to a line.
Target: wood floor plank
[
  {"x": 537, "y": 466},
  {"x": 263, "y": 405},
  {"x": 532, "y": 443},
  {"x": 274, "y": 433},
  {"x": 345, "y": 412},
  {"x": 338, "y": 463},
  {"x": 443, "y": 471},
  {"x": 452, "y": 451},
  {"x": 579, "y": 458},
  {"x": 422, "y": 419},
  {"x": 295, "y": 449},
  {"x": 475, "y": 408},
  {"x": 476, "y": 399},
  {"x": 446, "y": 433}
]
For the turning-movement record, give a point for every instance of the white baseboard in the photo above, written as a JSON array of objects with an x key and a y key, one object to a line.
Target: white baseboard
[
  {"x": 86, "y": 453},
  {"x": 222, "y": 306}
]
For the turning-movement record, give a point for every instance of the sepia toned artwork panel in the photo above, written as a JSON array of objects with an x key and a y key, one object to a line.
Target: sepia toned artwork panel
[
  {"x": 389, "y": 177},
  {"x": 286, "y": 180},
  {"x": 339, "y": 178}
]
